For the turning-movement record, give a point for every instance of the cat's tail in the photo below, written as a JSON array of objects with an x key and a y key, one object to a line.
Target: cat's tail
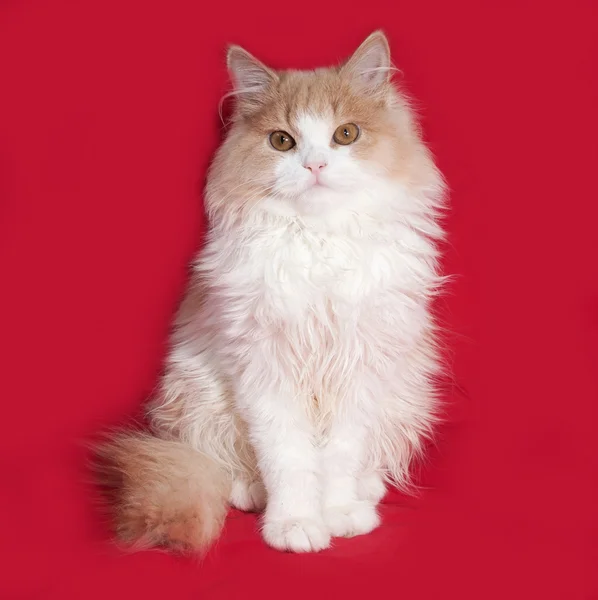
[{"x": 162, "y": 492}]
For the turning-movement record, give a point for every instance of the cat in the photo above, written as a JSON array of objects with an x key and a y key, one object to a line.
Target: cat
[{"x": 301, "y": 374}]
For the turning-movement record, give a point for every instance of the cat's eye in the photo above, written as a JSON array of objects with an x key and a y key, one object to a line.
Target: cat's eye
[
  {"x": 346, "y": 134},
  {"x": 281, "y": 141}
]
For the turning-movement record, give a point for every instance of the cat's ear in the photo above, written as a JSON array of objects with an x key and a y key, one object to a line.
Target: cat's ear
[
  {"x": 250, "y": 77},
  {"x": 370, "y": 67}
]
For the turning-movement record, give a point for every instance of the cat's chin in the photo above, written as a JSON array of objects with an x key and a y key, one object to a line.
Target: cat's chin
[
  {"x": 316, "y": 207},
  {"x": 319, "y": 198},
  {"x": 329, "y": 202}
]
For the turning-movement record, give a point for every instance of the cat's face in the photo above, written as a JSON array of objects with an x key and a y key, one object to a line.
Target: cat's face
[{"x": 315, "y": 141}]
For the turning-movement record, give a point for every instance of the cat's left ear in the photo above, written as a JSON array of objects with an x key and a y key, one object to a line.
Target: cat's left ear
[
  {"x": 250, "y": 77},
  {"x": 370, "y": 67}
]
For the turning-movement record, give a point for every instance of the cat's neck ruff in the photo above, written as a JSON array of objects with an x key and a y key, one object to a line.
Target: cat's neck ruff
[{"x": 357, "y": 215}]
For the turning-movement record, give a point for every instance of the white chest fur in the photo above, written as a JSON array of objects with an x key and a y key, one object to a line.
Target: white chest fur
[
  {"x": 286, "y": 272},
  {"x": 329, "y": 304}
]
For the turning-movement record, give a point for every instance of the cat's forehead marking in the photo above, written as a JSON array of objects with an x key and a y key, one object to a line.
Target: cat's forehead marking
[
  {"x": 313, "y": 128},
  {"x": 325, "y": 94},
  {"x": 302, "y": 92}
]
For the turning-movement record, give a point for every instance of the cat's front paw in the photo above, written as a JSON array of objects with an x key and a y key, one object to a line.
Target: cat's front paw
[
  {"x": 246, "y": 495},
  {"x": 371, "y": 487},
  {"x": 355, "y": 518},
  {"x": 296, "y": 535}
]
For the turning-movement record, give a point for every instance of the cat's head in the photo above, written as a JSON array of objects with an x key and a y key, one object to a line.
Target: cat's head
[{"x": 315, "y": 142}]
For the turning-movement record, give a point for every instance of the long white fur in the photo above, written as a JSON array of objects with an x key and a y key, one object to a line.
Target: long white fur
[{"x": 304, "y": 362}]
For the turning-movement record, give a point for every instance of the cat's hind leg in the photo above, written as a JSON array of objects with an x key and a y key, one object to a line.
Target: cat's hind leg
[{"x": 248, "y": 494}]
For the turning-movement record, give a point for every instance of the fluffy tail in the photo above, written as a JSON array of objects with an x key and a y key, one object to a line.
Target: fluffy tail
[{"x": 162, "y": 492}]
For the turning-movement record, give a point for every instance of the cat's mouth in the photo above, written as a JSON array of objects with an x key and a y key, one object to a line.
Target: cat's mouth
[{"x": 317, "y": 182}]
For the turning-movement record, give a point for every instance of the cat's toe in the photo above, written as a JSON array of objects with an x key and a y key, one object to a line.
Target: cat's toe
[
  {"x": 356, "y": 518},
  {"x": 296, "y": 535},
  {"x": 249, "y": 496}
]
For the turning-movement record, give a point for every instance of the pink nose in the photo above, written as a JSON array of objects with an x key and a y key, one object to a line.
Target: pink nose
[{"x": 315, "y": 166}]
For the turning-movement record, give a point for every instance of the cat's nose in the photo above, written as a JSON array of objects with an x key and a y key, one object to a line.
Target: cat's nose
[{"x": 315, "y": 166}]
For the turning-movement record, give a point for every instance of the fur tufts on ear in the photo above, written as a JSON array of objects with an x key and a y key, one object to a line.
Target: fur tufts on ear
[
  {"x": 250, "y": 77},
  {"x": 370, "y": 65}
]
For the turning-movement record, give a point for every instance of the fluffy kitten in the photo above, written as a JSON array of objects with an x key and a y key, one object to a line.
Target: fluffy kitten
[{"x": 300, "y": 375}]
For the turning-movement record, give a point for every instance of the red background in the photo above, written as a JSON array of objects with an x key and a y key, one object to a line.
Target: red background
[{"x": 108, "y": 118}]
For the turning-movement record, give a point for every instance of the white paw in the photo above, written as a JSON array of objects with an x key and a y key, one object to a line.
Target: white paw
[
  {"x": 246, "y": 495},
  {"x": 371, "y": 487},
  {"x": 351, "y": 519},
  {"x": 296, "y": 535}
]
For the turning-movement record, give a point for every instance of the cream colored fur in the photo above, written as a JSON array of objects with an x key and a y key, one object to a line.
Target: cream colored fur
[{"x": 301, "y": 372}]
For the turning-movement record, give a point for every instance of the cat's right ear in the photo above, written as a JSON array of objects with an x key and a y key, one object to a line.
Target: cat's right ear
[{"x": 250, "y": 77}]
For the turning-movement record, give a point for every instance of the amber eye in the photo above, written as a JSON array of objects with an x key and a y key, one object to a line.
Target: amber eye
[
  {"x": 282, "y": 141},
  {"x": 346, "y": 134}
]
